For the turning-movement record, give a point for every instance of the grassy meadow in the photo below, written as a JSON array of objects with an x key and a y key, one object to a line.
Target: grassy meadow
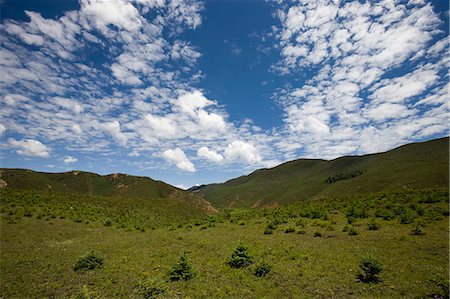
[{"x": 313, "y": 249}]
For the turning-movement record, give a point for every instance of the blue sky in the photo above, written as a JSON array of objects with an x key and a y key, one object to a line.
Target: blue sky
[{"x": 193, "y": 92}]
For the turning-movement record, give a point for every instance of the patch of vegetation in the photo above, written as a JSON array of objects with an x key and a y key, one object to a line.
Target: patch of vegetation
[
  {"x": 182, "y": 270},
  {"x": 89, "y": 261},
  {"x": 373, "y": 225},
  {"x": 353, "y": 231},
  {"x": 344, "y": 176},
  {"x": 289, "y": 230},
  {"x": 417, "y": 230},
  {"x": 371, "y": 268},
  {"x": 240, "y": 257},
  {"x": 84, "y": 293},
  {"x": 149, "y": 288},
  {"x": 262, "y": 269}
]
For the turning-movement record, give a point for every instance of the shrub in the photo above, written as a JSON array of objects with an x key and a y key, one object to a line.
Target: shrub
[
  {"x": 406, "y": 217},
  {"x": 370, "y": 267},
  {"x": 89, "y": 261},
  {"x": 108, "y": 222},
  {"x": 262, "y": 269},
  {"x": 373, "y": 225},
  {"x": 417, "y": 230},
  {"x": 302, "y": 223},
  {"x": 289, "y": 230},
  {"x": 150, "y": 287},
  {"x": 84, "y": 293},
  {"x": 352, "y": 231},
  {"x": 317, "y": 234},
  {"x": 182, "y": 270},
  {"x": 240, "y": 257},
  {"x": 268, "y": 231}
]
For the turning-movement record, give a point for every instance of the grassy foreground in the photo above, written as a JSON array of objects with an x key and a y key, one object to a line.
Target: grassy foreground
[{"x": 37, "y": 256}]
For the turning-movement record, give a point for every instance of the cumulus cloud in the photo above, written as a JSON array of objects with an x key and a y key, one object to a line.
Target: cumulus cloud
[
  {"x": 209, "y": 155},
  {"x": 240, "y": 150},
  {"x": 179, "y": 159},
  {"x": 30, "y": 147},
  {"x": 70, "y": 159},
  {"x": 2, "y": 129}
]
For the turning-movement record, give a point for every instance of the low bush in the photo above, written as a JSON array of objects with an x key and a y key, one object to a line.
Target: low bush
[
  {"x": 84, "y": 293},
  {"x": 262, "y": 269},
  {"x": 352, "y": 231},
  {"x": 268, "y": 230},
  {"x": 150, "y": 287},
  {"x": 289, "y": 230},
  {"x": 373, "y": 225},
  {"x": 89, "y": 261},
  {"x": 417, "y": 230},
  {"x": 317, "y": 234}
]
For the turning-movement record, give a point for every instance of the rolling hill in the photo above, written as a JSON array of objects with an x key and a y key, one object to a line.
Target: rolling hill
[
  {"x": 88, "y": 184},
  {"x": 416, "y": 165}
]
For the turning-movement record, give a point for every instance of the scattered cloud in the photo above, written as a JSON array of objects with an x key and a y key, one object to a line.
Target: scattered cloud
[
  {"x": 209, "y": 155},
  {"x": 179, "y": 159},
  {"x": 363, "y": 75},
  {"x": 70, "y": 159},
  {"x": 30, "y": 147},
  {"x": 243, "y": 151}
]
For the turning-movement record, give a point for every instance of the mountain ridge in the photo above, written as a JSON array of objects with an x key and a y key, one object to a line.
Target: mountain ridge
[
  {"x": 414, "y": 165},
  {"x": 81, "y": 183}
]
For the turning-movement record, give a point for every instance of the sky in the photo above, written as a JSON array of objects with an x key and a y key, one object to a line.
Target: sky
[{"x": 194, "y": 92}]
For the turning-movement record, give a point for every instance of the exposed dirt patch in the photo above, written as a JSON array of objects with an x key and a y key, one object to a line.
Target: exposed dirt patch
[{"x": 3, "y": 183}]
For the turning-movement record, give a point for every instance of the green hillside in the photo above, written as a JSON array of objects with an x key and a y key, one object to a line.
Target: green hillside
[
  {"x": 86, "y": 183},
  {"x": 110, "y": 189},
  {"x": 416, "y": 165}
]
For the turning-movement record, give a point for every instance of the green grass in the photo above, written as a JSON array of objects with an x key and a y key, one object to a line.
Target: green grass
[
  {"x": 37, "y": 256},
  {"x": 124, "y": 213},
  {"x": 416, "y": 165}
]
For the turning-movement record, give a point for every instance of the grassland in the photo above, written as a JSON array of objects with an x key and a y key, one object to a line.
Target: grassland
[{"x": 38, "y": 252}]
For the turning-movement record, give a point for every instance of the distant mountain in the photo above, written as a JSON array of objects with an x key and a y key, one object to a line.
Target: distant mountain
[
  {"x": 92, "y": 184},
  {"x": 416, "y": 165}
]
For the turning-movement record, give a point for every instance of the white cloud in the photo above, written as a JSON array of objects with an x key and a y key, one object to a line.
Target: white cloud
[
  {"x": 2, "y": 129},
  {"x": 387, "y": 111},
  {"x": 68, "y": 104},
  {"x": 29, "y": 38},
  {"x": 243, "y": 151},
  {"x": 192, "y": 101},
  {"x": 76, "y": 129},
  {"x": 113, "y": 128},
  {"x": 111, "y": 12},
  {"x": 363, "y": 75},
  {"x": 163, "y": 127},
  {"x": 179, "y": 159},
  {"x": 209, "y": 155},
  {"x": 401, "y": 88},
  {"x": 30, "y": 147},
  {"x": 70, "y": 159}
]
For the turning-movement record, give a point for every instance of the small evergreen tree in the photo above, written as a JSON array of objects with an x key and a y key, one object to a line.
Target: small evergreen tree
[
  {"x": 240, "y": 257},
  {"x": 370, "y": 267},
  {"x": 182, "y": 270}
]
